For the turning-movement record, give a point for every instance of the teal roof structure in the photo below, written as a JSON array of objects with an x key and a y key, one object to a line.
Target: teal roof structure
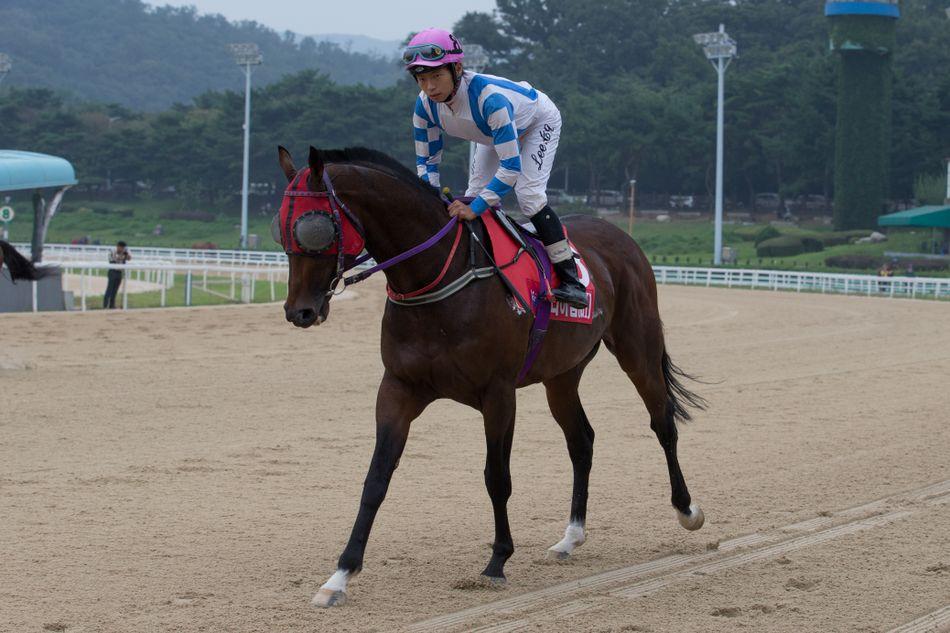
[
  {"x": 937, "y": 216},
  {"x": 29, "y": 170},
  {"x": 880, "y": 8}
]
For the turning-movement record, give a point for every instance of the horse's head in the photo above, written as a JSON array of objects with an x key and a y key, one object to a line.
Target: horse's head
[{"x": 316, "y": 236}]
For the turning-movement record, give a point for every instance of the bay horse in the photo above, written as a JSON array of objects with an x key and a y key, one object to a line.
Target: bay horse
[
  {"x": 20, "y": 267},
  {"x": 470, "y": 346}
]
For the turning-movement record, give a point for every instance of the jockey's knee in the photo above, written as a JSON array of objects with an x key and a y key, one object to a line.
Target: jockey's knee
[{"x": 531, "y": 202}]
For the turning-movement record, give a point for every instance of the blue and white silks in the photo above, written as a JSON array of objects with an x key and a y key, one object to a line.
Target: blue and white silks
[{"x": 516, "y": 128}]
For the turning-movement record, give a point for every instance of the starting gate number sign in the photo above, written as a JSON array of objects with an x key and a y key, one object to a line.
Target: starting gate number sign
[{"x": 6, "y": 214}]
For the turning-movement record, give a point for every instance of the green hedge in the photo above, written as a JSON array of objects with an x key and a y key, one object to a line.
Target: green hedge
[
  {"x": 766, "y": 233},
  {"x": 786, "y": 246},
  {"x": 874, "y": 262}
]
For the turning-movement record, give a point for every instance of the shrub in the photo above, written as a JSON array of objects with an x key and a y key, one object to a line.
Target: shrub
[
  {"x": 781, "y": 247},
  {"x": 874, "y": 262},
  {"x": 812, "y": 245},
  {"x": 858, "y": 262},
  {"x": 834, "y": 239},
  {"x": 746, "y": 233},
  {"x": 926, "y": 264},
  {"x": 767, "y": 233}
]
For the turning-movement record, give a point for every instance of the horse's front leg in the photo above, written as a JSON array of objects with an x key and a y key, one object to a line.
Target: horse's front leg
[
  {"x": 499, "y": 415},
  {"x": 397, "y": 405}
]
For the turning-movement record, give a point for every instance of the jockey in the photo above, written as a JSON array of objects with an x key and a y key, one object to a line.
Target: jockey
[{"x": 516, "y": 129}]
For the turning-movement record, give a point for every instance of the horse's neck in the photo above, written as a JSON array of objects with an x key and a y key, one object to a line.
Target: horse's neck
[{"x": 396, "y": 218}]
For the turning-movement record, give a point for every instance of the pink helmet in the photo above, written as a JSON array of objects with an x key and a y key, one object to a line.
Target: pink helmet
[{"x": 432, "y": 48}]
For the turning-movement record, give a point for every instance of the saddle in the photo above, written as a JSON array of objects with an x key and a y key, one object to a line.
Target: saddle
[
  {"x": 527, "y": 272},
  {"x": 524, "y": 262}
]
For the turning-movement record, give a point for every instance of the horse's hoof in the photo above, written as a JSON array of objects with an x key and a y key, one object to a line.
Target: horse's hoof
[
  {"x": 326, "y": 598},
  {"x": 694, "y": 520},
  {"x": 494, "y": 582},
  {"x": 556, "y": 554}
]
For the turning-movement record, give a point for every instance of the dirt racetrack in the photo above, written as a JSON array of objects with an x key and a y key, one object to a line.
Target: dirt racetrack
[{"x": 199, "y": 470}]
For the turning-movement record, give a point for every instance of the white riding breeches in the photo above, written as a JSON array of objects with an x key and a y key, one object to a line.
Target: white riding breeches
[{"x": 538, "y": 147}]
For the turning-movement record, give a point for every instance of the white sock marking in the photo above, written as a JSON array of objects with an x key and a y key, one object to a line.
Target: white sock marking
[
  {"x": 573, "y": 537},
  {"x": 337, "y": 581}
]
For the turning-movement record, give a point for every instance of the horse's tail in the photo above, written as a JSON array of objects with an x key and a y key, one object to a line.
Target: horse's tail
[
  {"x": 20, "y": 267},
  {"x": 679, "y": 396}
]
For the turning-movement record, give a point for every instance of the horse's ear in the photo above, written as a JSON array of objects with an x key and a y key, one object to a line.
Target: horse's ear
[
  {"x": 286, "y": 162},
  {"x": 316, "y": 164}
]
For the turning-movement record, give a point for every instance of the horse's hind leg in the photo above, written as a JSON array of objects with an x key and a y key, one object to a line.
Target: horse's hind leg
[
  {"x": 567, "y": 410},
  {"x": 663, "y": 422},
  {"x": 651, "y": 371}
]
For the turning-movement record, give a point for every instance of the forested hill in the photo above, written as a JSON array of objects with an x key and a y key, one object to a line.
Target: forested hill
[{"x": 147, "y": 58}]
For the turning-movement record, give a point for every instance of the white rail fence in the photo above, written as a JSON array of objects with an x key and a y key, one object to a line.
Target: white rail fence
[
  {"x": 869, "y": 285},
  {"x": 240, "y": 282},
  {"x": 240, "y": 277},
  {"x": 86, "y": 253}
]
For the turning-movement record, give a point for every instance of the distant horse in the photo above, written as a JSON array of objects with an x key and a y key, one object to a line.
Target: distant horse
[
  {"x": 20, "y": 267},
  {"x": 470, "y": 346}
]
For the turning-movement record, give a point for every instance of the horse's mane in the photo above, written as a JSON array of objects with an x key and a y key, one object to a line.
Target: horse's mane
[{"x": 381, "y": 161}]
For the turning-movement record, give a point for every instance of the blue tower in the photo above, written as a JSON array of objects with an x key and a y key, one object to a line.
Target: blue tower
[{"x": 862, "y": 34}]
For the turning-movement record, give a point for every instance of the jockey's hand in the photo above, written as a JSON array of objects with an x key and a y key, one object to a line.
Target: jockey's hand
[{"x": 461, "y": 210}]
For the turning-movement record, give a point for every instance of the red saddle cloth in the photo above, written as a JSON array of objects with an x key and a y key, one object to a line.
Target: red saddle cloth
[{"x": 521, "y": 271}]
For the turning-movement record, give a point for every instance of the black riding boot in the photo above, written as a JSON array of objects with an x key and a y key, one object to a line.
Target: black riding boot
[{"x": 549, "y": 228}]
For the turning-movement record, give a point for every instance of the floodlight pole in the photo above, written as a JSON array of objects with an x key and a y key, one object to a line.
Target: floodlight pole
[
  {"x": 633, "y": 193},
  {"x": 719, "y": 49},
  {"x": 247, "y": 153},
  {"x": 720, "y": 120},
  {"x": 246, "y": 55},
  {"x": 5, "y": 65}
]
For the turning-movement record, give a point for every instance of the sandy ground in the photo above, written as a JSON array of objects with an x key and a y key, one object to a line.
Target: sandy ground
[{"x": 199, "y": 470}]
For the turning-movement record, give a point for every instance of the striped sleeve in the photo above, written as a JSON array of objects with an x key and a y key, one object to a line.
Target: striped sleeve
[
  {"x": 428, "y": 141},
  {"x": 500, "y": 116}
]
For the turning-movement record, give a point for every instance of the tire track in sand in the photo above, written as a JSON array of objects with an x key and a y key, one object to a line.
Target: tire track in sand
[
  {"x": 935, "y": 622},
  {"x": 645, "y": 578}
]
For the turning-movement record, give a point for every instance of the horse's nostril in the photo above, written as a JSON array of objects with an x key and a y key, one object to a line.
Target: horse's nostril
[{"x": 307, "y": 315}]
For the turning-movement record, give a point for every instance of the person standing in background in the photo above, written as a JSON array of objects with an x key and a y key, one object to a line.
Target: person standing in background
[{"x": 120, "y": 255}]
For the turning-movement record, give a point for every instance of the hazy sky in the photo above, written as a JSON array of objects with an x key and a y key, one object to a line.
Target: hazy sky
[{"x": 385, "y": 19}]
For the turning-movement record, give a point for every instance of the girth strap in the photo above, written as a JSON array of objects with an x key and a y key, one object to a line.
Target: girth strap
[{"x": 449, "y": 289}]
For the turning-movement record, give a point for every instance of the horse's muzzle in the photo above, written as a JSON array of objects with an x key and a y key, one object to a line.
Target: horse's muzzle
[{"x": 305, "y": 317}]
